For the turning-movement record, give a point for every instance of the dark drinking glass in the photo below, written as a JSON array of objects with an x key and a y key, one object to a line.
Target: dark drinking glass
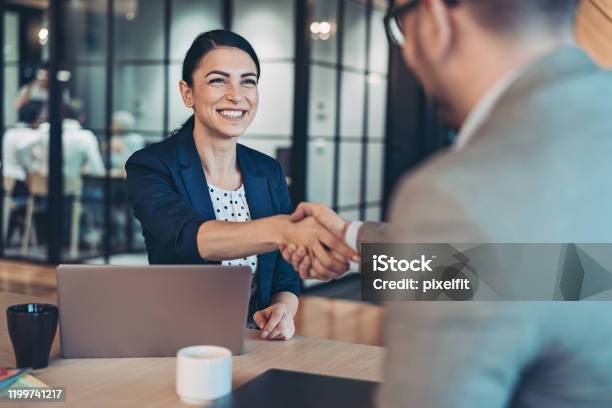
[{"x": 32, "y": 328}]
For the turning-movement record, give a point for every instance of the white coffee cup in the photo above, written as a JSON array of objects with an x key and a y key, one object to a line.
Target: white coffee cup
[{"x": 203, "y": 373}]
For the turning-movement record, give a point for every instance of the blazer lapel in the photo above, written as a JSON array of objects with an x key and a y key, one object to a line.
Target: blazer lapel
[
  {"x": 257, "y": 193},
  {"x": 255, "y": 186},
  {"x": 193, "y": 174}
]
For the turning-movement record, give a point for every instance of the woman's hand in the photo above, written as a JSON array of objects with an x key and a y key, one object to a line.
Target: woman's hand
[
  {"x": 275, "y": 322},
  {"x": 300, "y": 260}
]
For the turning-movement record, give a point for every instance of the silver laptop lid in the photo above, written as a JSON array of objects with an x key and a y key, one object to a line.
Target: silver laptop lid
[{"x": 150, "y": 311}]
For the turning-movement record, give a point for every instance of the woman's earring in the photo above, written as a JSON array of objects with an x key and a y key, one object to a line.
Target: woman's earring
[{"x": 189, "y": 103}]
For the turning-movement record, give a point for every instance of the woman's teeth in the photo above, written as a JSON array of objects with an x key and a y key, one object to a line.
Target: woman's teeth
[{"x": 231, "y": 113}]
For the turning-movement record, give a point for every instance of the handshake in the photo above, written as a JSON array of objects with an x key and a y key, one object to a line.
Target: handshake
[{"x": 314, "y": 243}]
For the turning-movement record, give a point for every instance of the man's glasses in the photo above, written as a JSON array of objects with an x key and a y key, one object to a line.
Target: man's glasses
[{"x": 395, "y": 16}]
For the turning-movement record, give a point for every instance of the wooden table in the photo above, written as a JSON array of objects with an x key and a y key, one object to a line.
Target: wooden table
[{"x": 134, "y": 382}]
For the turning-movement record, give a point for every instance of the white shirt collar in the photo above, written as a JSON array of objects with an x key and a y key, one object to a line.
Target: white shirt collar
[
  {"x": 480, "y": 113},
  {"x": 71, "y": 124},
  {"x": 66, "y": 124}
]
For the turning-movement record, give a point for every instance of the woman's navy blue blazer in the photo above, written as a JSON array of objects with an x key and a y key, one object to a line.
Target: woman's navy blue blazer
[{"x": 167, "y": 190}]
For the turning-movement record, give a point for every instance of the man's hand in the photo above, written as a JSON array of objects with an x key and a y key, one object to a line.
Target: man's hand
[
  {"x": 325, "y": 215},
  {"x": 275, "y": 322}
]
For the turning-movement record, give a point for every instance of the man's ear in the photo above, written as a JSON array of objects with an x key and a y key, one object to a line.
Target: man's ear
[
  {"x": 441, "y": 28},
  {"x": 186, "y": 93}
]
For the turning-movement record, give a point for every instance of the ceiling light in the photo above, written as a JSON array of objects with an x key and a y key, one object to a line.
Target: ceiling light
[
  {"x": 43, "y": 36},
  {"x": 324, "y": 27}
]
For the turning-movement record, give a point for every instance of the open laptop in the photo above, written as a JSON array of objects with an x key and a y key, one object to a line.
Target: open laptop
[
  {"x": 280, "y": 389},
  {"x": 150, "y": 311}
]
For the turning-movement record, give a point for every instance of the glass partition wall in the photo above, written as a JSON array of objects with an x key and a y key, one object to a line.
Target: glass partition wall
[
  {"x": 346, "y": 122},
  {"x": 25, "y": 29},
  {"x": 80, "y": 99}
]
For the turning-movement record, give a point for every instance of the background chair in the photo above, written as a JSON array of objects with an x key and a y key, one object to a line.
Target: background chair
[{"x": 36, "y": 202}]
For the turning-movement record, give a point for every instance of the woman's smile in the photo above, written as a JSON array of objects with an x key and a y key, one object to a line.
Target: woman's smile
[{"x": 233, "y": 115}]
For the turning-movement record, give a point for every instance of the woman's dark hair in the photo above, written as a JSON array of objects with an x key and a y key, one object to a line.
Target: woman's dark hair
[{"x": 206, "y": 42}]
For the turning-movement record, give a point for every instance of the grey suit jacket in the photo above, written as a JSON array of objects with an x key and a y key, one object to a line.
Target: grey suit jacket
[{"x": 538, "y": 170}]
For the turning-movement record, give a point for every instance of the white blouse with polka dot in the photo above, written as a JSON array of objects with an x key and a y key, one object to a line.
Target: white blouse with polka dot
[{"x": 232, "y": 206}]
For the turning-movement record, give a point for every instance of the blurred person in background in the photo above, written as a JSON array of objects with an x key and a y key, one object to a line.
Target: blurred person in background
[
  {"x": 37, "y": 90},
  {"x": 22, "y": 134},
  {"x": 14, "y": 168},
  {"x": 80, "y": 148},
  {"x": 81, "y": 158},
  {"x": 124, "y": 142}
]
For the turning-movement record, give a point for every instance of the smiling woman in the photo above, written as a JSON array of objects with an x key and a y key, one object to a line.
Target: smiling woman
[
  {"x": 202, "y": 197},
  {"x": 221, "y": 85}
]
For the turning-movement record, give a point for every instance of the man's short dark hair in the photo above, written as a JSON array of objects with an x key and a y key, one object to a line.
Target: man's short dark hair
[
  {"x": 72, "y": 109},
  {"x": 507, "y": 15},
  {"x": 29, "y": 112}
]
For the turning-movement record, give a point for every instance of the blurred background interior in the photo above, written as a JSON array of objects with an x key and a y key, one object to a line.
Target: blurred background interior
[{"x": 338, "y": 109}]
